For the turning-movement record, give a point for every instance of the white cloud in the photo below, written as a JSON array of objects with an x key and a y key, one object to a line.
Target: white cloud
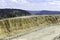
[
  {"x": 15, "y": 1},
  {"x": 54, "y": 3},
  {"x": 50, "y": 5},
  {"x": 23, "y": 1},
  {"x": 2, "y": 3},
  {"x": 24, "y": 4},
  {"x": 20, "y": 1}
]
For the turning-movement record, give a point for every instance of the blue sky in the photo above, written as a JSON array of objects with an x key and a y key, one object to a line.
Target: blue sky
[{"x": 31, "y": 4}]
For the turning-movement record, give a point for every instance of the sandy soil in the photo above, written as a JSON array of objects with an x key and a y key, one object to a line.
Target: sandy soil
[{"x": 48, "y": 33}]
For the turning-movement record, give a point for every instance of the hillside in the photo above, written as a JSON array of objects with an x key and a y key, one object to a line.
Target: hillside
[
  {"x": 44, "y": 12},
  {"x": 8, "y": 13}
]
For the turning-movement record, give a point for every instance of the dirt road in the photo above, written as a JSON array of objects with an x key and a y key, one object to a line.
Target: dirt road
[{"x": 48, "y": 33}]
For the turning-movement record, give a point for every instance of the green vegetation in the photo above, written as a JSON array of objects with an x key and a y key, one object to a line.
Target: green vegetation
[{"x": 9, "y": 13}]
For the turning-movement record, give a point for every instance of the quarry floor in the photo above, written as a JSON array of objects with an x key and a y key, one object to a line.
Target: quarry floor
[{"x": 48, "y": 33}]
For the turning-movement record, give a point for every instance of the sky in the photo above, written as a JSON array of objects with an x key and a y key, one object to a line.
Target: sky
[{"x": 53, "y": 5}]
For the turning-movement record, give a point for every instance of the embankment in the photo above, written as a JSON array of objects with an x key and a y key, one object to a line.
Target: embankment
[{"x": 16, "y": 25}]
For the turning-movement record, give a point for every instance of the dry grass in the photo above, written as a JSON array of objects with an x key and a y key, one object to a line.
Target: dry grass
[{"x": 21, "y": 24}]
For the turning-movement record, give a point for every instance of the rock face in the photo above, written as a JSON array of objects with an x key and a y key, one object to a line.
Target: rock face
[
  {"x": 21, "y": 24},
  {"x": 8, "y": 13}
]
